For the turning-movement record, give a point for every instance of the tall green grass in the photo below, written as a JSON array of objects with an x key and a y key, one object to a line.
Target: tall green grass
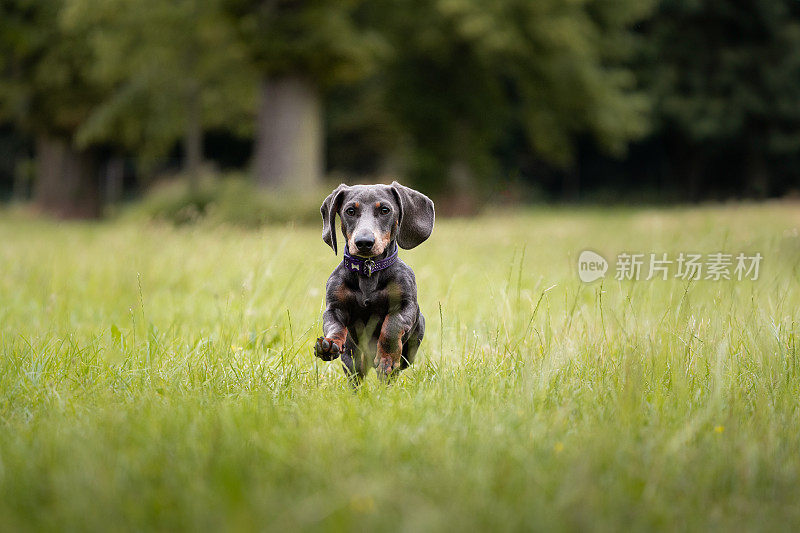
[{"x": 154, "y": 377}]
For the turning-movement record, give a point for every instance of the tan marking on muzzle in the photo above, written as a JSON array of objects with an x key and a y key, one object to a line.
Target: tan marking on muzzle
[
  {"x": 377, "y": 249},
  {"x": 383, "y": 242}
]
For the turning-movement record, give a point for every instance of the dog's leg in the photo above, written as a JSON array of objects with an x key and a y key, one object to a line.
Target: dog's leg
[
  {"x": 331, "y": 345},
  {"x": 352, "y": 362},
  {"x": 395, "y": 326},
  {"x": 411, "y": 343}
]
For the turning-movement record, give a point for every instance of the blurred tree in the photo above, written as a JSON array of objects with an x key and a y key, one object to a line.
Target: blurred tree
[
  {"x": 725, "y": 79},
  {"x": 45, "y": 90},
  {"x": 172, "y": 69},
  {"x": 464, "y": 72},
  {"x": 301, "y": 48}
]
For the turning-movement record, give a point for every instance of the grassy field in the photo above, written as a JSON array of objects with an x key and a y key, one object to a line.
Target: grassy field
[{"x": 153, "y": 377}]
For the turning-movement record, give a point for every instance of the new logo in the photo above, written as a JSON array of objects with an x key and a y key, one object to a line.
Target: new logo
[{"x": 591, "y": 266}]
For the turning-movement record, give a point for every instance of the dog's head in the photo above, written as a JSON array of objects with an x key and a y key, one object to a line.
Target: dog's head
[{"x": 375, "y": 215}]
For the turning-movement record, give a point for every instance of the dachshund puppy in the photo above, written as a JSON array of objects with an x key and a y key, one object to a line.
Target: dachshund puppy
[{"x": 372, "y": 318}]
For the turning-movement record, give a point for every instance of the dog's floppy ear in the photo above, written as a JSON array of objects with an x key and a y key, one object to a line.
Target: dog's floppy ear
[
  {"x": 416, "y": 216},
  {"x": 329, "y": 208}
]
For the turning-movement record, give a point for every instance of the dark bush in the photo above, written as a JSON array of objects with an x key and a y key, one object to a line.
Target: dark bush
[{"x": 228, "y": 200}]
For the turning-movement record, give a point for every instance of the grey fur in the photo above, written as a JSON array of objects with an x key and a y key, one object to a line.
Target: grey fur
[
  {"x": 416, "y": 216},
  {"x": 329, "y": 208}
]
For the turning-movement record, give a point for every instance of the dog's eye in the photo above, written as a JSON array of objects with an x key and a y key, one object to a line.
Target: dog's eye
[
  {"x": 350, "y": 211},
  {"x": 385, "y": 210}
]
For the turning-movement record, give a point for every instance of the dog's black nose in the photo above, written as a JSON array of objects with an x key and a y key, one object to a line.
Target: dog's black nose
[{"x": 365, "y": 242}]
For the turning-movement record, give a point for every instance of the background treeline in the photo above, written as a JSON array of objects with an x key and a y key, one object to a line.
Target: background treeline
[{"x": 466, "y": 99}]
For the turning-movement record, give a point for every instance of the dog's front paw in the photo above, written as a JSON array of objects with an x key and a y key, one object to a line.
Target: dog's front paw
[
  {"x": 326, "y": 349},
  {"x": 387, "y": 366}
]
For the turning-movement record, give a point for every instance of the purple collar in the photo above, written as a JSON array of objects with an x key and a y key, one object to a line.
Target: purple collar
[{"x": 365, "y": 266}]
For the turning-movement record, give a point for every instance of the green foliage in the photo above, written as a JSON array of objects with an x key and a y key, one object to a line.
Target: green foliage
[
  {"x": 156, "y": 378},
  {"x": 464, "y": 72},
  {"x": 446, "y": 92},
  {"x": 46, "y": 86},
  {"x": 227, "y": 200},
  {"x": 162, "y": 62},
  {"x": 723, "y": 71},
  {"x": 318, "y": 39}
]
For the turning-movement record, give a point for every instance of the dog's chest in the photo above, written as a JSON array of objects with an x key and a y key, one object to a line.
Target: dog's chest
[{"x": 367, "y": 291}]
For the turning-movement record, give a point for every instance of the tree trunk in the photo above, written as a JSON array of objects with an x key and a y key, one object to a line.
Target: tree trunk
[
  {"x": 67, "y": 183},
  {"x": 460, "y": 199},
  {"x": 193, "y": 140},
  {"x": 687, "y": 162},
  {"x": 114, "y": 177},
  {"x": 193, "y": 127},
  {"x": 758, "y": 173},
  {"x": 694, "y": 176},
  {"x": 289, "y": 138},
  {"x": 22, "y": 180},
  {"x": 572, "y": 183}
]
